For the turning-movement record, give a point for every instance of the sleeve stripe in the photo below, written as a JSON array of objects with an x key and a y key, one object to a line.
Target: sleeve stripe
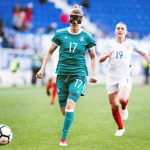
[
  {"x": 54, "y": 43},
  {"x": 91, "y": 47}
]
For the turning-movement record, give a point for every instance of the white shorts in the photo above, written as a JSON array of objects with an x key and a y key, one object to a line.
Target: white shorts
[
  {"x": 49, "y": 73},
  {"x": 112, "y": 86}
]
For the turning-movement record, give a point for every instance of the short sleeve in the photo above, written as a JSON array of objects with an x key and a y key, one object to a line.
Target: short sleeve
[
  {"x": 91, "y": 42},
  {"x": 56, "y": 39},
  {"x": 135, "y": 47}
]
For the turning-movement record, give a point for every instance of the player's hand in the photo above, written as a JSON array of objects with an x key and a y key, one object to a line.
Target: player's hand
[
  {"x": 40, "y": 74},
  {"x": 92, "y": 79}
]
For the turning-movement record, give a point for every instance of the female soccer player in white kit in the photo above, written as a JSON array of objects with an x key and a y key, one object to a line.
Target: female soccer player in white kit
[{"x": 119, "y": 79}]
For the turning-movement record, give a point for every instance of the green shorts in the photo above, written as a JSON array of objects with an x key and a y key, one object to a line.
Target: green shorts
[{"x": 70, "y": 87}]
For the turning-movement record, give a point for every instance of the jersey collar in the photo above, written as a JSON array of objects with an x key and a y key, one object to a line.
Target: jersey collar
[{"x": 80, "y": 30}]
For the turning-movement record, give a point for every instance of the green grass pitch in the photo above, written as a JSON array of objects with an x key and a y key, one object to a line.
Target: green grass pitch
[{"x": 36, "y": 125}]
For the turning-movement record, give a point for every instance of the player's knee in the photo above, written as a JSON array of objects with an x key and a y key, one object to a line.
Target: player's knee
[
  {"x": 114, "y": 106},
  {"x": 122, "y": 98},
  {"x": 74, "y": 96},
  {"x": 70, "y": 105}
]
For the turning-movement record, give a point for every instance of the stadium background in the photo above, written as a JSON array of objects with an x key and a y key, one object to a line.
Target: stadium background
[{"x": 46, "y": 16}]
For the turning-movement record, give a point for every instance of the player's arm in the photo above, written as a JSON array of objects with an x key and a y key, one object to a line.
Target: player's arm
[
  {"x": 45, "y": 60},
  {"x": 93, "y": 65},
  {"x": 145, "y": 55},
  {"x": 104, "y": 56}
]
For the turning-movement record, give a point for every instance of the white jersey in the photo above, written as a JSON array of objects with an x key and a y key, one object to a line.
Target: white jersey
[
  {"x": 120, "y": 61},
  {"x": 52, "y": 64}
]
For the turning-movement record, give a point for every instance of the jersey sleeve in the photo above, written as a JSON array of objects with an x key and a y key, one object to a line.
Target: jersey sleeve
[
  {"x": 135, "y": 47},
  {"x": 91, "y": 42},
  {"x": 56, "y": 38}
]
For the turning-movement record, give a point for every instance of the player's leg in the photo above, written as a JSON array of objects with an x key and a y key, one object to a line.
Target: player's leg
[
  {"x": 53, "y": 95},
  {"x": 68, "y": 120},
  {"x": 123, "y": 96},
  {"x": 62, "y": 92},
  {"x": 13, "y": 73},
  {"x": 114, "y": 102},
  {"x": 62, "y": 103},
  {"x": 62, "y": 97},
  {"x": 76, "y": 86},
  {"x": 115, "y": 111},
  {"x": 34, "y": 71},
  {"x": 48, "y": 86}
]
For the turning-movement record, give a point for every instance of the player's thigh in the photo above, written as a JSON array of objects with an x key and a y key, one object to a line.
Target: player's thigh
[
  {"x": 124, "y": 90},
  {"x": 62, "y": 91},
  {"x": 77, "y": 87},
  {"x": 112, "y": 91},
  {"x": 111, "y": 88},
  {"x": 114, "y": 102}
]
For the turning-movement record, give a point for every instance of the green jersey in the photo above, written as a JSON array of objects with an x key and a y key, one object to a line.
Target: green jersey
[{"x": 72, "y": 51}]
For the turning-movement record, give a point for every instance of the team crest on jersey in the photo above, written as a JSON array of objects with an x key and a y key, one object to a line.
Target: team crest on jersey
[
  {"x": 127, "y": 47},
  {"x": 65, "y": 37},
  {"x": 81, "y": 38}
]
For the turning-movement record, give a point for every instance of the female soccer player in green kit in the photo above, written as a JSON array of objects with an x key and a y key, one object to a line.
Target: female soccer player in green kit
[{"x": 71, "y": 69}]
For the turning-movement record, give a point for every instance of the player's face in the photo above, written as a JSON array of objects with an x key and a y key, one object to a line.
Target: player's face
[
  {"x": 121, "y": 30},
  {"x": 75, "y": 20}
]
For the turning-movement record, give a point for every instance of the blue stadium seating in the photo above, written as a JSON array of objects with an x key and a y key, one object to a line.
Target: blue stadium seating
[
  {"x": 105, "y": 13},
  {"x": 43, "y": 14},
  {"x": 135, "y": 13}
]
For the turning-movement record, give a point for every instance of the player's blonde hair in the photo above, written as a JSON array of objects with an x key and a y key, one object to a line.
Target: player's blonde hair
[
  {"x": 77, "y": 9},
  {"x": 122, "y": 24}
]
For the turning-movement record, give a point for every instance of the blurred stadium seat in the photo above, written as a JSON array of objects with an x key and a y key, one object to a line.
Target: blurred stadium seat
[
  {"x": 43, "y": 14},
  {"x": 105, "y": 13}
]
